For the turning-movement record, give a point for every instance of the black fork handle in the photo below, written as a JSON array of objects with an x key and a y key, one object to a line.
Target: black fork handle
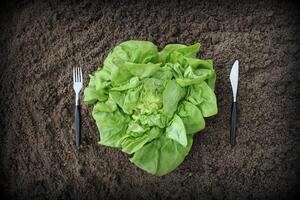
[
  {"x": 77, "y": 126},
  {"x": 233, "y": 123}
]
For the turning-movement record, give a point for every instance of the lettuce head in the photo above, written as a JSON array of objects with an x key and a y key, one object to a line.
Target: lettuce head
[{"x": 150, "y": 103}]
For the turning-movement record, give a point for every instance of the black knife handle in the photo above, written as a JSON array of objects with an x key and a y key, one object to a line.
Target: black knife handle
[
  {"x": 77, "y": 126},
  {"x": 233, "y": 123}
]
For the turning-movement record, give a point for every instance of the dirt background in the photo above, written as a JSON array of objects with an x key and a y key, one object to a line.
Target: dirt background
[{"x": 40, "y": 42}]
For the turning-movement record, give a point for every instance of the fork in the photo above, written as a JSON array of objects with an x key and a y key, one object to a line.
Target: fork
[{"x": 77, "y": 85}]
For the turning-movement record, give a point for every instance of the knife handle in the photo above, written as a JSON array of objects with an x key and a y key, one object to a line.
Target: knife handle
[
  {"x": 77, "y": 126},
  {"x": 233, "y": 123}
]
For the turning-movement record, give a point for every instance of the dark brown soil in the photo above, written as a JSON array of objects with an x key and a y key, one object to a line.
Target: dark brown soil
[{"x": 40, "y": 43}]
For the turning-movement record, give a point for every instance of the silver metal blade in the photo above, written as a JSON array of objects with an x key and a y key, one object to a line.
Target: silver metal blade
[{"x": 234, "y": 77}]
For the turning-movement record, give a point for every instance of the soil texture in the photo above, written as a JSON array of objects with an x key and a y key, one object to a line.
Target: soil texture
[{"x": 40, "y": 42}]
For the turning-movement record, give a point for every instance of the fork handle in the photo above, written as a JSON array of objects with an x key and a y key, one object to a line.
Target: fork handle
[{"x": 77, "y": 126}]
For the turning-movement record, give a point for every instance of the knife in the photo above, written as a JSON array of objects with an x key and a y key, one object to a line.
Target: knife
[{"x": 234, "y": 77}]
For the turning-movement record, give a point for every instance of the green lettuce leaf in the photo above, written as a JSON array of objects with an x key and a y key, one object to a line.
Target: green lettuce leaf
[
  {"x": 177, "y": 131},
  {"x": 161, "y": 156},
  {"x": 150, "y": 103},
  {"x": 172, "y": 94}
]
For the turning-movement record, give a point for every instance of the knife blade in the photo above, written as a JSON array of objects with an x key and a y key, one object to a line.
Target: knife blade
[{"x": 234, "y": 77}]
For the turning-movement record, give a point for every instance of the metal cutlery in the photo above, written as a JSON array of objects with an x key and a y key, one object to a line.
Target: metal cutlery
[
  {"x": 234, "y": 76},
  {"x": 77, "y": 85}
]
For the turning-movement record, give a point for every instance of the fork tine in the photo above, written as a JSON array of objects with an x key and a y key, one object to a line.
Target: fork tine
[
  {"x": 77, "y": 74},
  {"x": 81, "y": 79},
  {"x": 75, "y": 70},
  {"x": 74, "y": 75}
]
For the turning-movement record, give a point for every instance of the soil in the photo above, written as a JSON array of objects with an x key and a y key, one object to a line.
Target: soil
[{"x": 40, "y": 42}]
